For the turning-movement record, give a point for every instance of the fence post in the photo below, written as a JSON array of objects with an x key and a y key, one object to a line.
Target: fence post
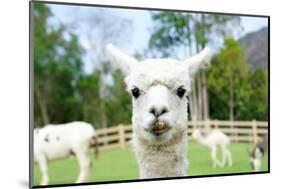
[
  {"x": 121, "y": 132},
  {"x": 216, "y": 124},
  {"x": 207, "y": 126},
  {"x": 233, "y": 131},
  {"x": 105, "y": 136},
  {"x": 236, "y": 131},
  {"x": 255, "y": 133}
]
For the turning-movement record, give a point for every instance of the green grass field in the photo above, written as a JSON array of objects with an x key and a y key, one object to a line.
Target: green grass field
[{"x": 120, "y": 164}]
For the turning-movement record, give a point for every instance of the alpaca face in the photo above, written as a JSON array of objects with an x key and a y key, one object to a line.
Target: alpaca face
[
  {"x": 159, "y": 98},
  {"x": 196, "y": 134},
  {"x": 159, "y": 88}
]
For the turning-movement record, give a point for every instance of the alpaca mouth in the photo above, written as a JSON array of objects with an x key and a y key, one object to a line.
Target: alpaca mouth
[{"x": 159, "y": 128}]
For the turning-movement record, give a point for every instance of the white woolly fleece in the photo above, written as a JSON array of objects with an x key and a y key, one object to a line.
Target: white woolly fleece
[{"x": 162, "y": 160}]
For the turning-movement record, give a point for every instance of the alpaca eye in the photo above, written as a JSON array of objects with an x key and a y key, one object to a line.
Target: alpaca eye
[
  {"x": 180, "y": 92},
  {"x": 135, "y": 92}
]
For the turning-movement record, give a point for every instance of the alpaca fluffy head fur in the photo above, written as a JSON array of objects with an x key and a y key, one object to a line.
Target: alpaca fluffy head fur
[{"x": 159, "y": 88}]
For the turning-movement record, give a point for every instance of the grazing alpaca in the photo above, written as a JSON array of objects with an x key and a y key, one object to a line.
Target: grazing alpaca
[
  {"x": 213, "y": 140},
  {"x": 258, "y": 152},
  {"x": 60, "y": 141},
  {"x": 159, "y": 88}
]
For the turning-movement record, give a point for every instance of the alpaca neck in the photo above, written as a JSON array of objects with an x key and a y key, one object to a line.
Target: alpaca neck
[
  {"x": 202, "y": 140},
  {"x": 162, "y": 160}
]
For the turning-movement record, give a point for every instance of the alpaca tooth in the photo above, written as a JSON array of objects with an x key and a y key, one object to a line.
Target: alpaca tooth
[
  {"x": 156, "y": 126},
  {"x": 160, "y": 126}
]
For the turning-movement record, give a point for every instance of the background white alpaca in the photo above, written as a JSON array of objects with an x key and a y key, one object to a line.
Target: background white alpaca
[
  {"x": 213, "y": 140},
  {"x": 60, "y": 141},
  {"x": 159, "y": 88}
]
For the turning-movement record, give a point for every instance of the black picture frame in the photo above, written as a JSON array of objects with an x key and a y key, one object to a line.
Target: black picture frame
[{"x": 31, "y": 91}]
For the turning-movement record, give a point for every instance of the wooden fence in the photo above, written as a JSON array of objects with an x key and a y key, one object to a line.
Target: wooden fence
[{"x": 238, "y": 131}]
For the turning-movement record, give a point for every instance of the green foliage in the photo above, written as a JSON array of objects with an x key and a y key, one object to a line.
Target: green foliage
[
  {"x": 258, "y": 104},
  {"x": 88, "y": 87},
  {"x": 118, "y": 107},
  {"x": 229, "y": 71},
  {"x": 63, "y": 92},
  {"x": 174, "y": 31},
  {"x": 171, "y": 31},
  {"x": 228, "y": 77},
  {"x": 57, "y": 67}
]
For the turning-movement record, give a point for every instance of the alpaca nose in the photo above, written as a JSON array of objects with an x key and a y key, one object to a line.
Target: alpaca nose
[{"x": 158, "y": 111}]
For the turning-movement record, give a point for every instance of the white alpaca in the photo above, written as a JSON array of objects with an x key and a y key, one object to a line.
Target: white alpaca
[
  {"x": 213, "y": 140},
  {"x": 258, "y": 153},
  {"x": 159, "y": 88},
  {"x": 60, "y": 141}
]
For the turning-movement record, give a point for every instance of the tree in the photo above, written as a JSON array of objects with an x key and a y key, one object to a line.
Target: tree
[
  {"x": 57, "y": 67},
  {"x": 227, "y": 79},
  {"x": 118, "y": 106},
  {"x": 98, "y": 28},
  {"x": 236, "y": 92},
  {"x": 257, "y": 107},
  {"x": 88, "y": 87},
  {"x": 63, "y": 91}
]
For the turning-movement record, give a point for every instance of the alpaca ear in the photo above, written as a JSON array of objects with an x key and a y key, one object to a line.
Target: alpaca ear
[
  {"x": 199, "y": 61},
  {"x": 123, "y": 61}
]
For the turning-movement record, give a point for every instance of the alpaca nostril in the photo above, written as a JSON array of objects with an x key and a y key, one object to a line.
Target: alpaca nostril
[
  {"x": 158, "y": 112},
  {"x": 164, "y": 110},
  {"x": 152, "y": 110}
]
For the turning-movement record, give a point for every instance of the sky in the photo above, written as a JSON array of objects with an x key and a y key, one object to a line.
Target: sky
[{"x": 135, "y": 38}]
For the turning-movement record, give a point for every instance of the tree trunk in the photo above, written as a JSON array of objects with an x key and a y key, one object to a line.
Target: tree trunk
[
  {"x": 231, "y": 107},
  {"x": 189, "y": 37},
  {"x": 231, "y": 101},
  {"x": 197, "y": 86},
  {"x": 205, "y": 101},
  {"x": 102, "y": 91},
  {"x": 193, "y": 97},
  {"x": 42, "y": 105},
  {"x": 199, "y": 89},
  {"x": 194, "y": 115},
  {"x": 204, "y": 80},
  {"x": 205, "y": 96},
  {"x": 102, "y": 104}
]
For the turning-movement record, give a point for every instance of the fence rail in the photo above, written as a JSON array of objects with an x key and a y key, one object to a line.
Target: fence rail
[{"x": 238, "y": 131}]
